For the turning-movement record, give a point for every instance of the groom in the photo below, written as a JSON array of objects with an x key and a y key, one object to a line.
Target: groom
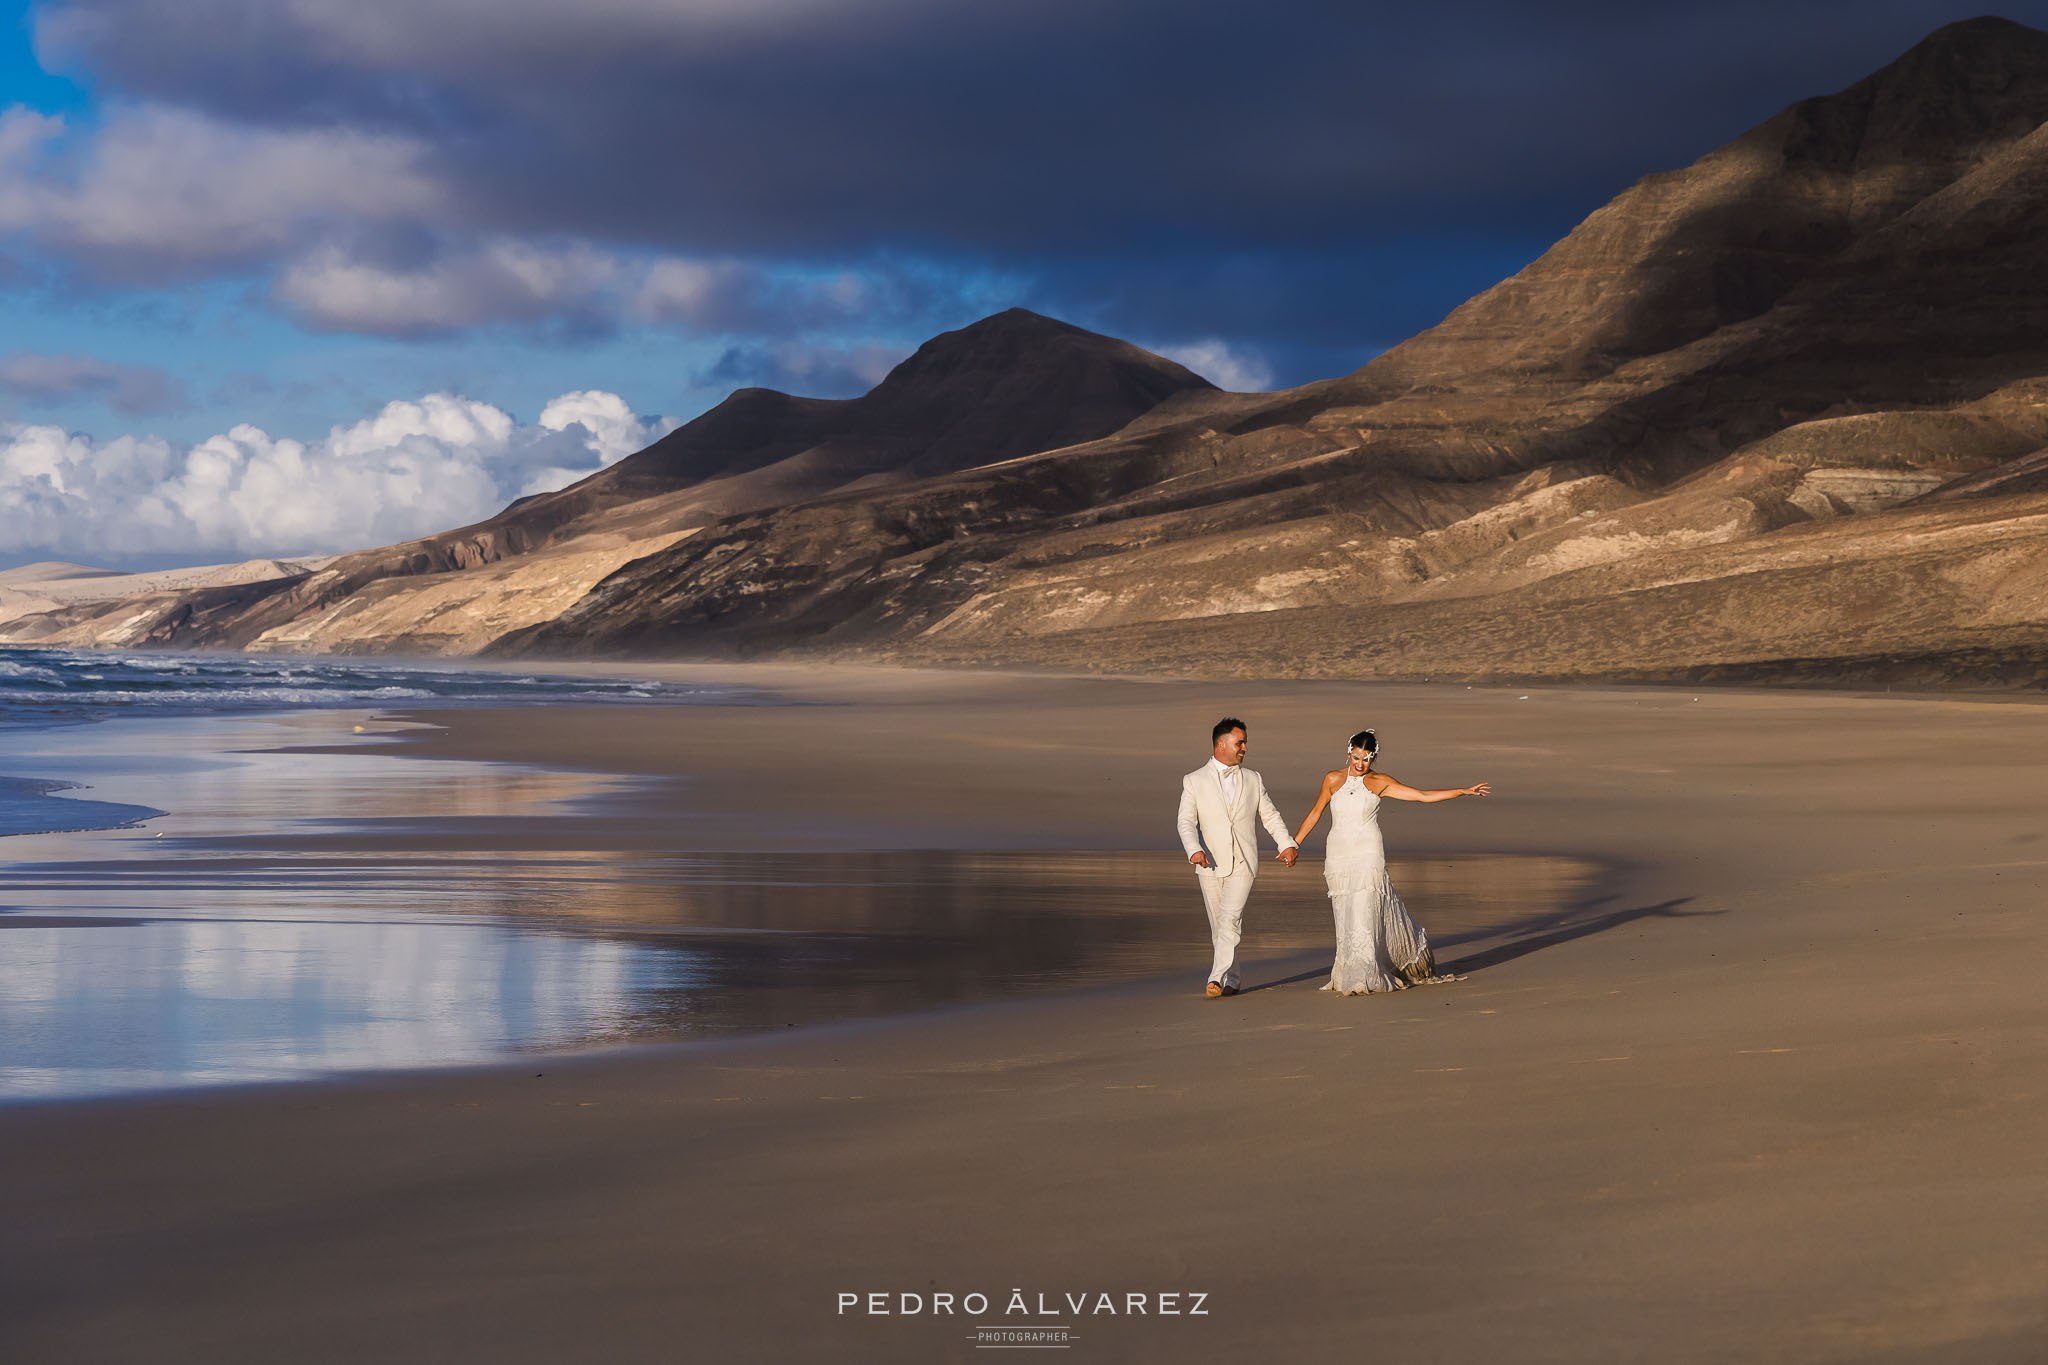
[{"x": 1217, "y": 802}]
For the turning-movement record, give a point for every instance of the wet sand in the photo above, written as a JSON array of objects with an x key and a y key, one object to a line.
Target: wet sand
[
  {"x": 317, "y": 902},
  {"x": 1771, "y": 1089}
]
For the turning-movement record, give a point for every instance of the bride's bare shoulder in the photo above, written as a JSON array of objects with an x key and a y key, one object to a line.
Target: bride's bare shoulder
[{"x": 1333, "y": 779}]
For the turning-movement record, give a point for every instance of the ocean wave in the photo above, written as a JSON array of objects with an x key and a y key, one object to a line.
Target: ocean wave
[
  {"x": 44, "y": 686},
  {"x": 242, "y": 696}
]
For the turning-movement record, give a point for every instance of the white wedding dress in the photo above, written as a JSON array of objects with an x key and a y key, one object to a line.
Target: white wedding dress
[{"x": 1379, "y": 947}]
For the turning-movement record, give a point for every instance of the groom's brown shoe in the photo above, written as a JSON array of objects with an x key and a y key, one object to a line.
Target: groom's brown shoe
[
  {"x": 1215, "y": 989},
  {"x": 1229, "y": 990}
]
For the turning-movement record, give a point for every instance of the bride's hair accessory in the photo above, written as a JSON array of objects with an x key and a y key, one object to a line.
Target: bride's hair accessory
[{"x": 1366, "y": 740}]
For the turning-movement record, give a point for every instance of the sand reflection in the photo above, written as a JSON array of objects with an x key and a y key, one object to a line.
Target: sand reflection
[
  {"x": 198, "y": 970},
  {"x": 301, "y": 913}
]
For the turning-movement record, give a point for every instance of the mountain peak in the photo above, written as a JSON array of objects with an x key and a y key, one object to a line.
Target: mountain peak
[
  {"x": 1016, "y": 382},
  {"x": 1684, "y": 253},
  {"x": 1964, "y": 85},
  {"x": 1987, "y": 35},
  {"x": 1011, "y": 384},
  {"x": 1002, "y": 342}
]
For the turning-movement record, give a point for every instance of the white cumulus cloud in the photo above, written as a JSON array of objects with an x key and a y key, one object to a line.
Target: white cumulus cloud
[
  {"x": 611, "y": 430},
  {"x": 413, "y": 468},
  {"x": 604, "y": 428}
]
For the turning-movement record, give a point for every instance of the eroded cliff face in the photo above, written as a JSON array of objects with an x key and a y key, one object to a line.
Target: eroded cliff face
[{"x": 1782, "y": 413}]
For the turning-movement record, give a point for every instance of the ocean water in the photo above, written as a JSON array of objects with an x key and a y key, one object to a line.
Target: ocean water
[
  {"x": 45, "y": 688},
  {"x": 63, "y": 686},
  {"x": 31, "y": 805}
]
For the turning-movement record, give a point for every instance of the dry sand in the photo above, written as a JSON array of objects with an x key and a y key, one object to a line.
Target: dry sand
[{"x": 1775, "y": 1090}]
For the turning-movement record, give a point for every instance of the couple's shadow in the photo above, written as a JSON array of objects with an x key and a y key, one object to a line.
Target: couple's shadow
[{"x": 1524, "y": 937}]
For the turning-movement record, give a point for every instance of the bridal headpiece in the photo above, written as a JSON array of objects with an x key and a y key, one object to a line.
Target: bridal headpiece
[{"x": 1364, "y": 739}]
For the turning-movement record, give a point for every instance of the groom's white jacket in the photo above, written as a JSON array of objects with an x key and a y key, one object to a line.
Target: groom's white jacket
[{"x": 1209, "y": 822}]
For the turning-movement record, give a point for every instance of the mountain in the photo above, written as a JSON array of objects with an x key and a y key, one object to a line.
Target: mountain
[
  {"x": 1009, "y": 385},
  {"x": 1005, "y": 386},
  {"x": 1716, "y": 429}
]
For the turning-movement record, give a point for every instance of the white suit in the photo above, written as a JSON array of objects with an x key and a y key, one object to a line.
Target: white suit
[{"x": 1215, "y": 822}]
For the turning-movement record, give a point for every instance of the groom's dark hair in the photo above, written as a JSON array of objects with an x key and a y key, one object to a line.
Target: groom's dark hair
[{"x": 1224, "y": 727}]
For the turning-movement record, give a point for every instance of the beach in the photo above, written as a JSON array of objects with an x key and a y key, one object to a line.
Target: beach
[{"x": 1747, "y": 1064}]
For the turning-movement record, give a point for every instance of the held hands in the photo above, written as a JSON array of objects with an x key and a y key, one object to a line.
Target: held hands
[{"x": 1287, "y": 856}]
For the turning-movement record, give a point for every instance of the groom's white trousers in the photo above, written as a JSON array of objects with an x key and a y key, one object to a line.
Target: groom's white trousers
[{"x": 1225, "y": 897}]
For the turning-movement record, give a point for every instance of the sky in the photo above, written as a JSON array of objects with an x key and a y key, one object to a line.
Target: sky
[{"x": 291, "y": 278}]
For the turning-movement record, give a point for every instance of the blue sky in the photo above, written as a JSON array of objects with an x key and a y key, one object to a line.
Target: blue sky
[
  {"x": 22, "y": 76},
  {"x": 229, "y": 355},
  {"x": 219, "y": 215}
]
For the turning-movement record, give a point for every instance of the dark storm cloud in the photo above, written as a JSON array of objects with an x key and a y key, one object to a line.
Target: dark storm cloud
[
  {"x": 820, "y": 127},
  {"x": 1280, "y": 172}
]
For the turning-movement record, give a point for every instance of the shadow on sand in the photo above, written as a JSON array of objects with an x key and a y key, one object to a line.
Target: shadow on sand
[
  {"x": 1319, "y": 974},
  {"x": 1523, "y": 937},
  {"x": 1551, "y": 931}
]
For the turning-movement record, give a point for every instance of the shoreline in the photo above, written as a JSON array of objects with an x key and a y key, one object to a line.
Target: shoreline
[
  {"x": 578, "y": 864},
  {"x": 1786, "y": 1058},
  {"x": 865, "y": 672}
]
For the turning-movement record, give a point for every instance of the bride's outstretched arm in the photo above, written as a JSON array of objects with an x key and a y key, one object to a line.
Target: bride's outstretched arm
[
  {"x": 1396, "y": 790},
  {"x": 1331, "y": 781}
]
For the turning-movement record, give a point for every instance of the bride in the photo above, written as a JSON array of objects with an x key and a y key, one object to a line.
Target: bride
[{"x": 1379, "y": 947}]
